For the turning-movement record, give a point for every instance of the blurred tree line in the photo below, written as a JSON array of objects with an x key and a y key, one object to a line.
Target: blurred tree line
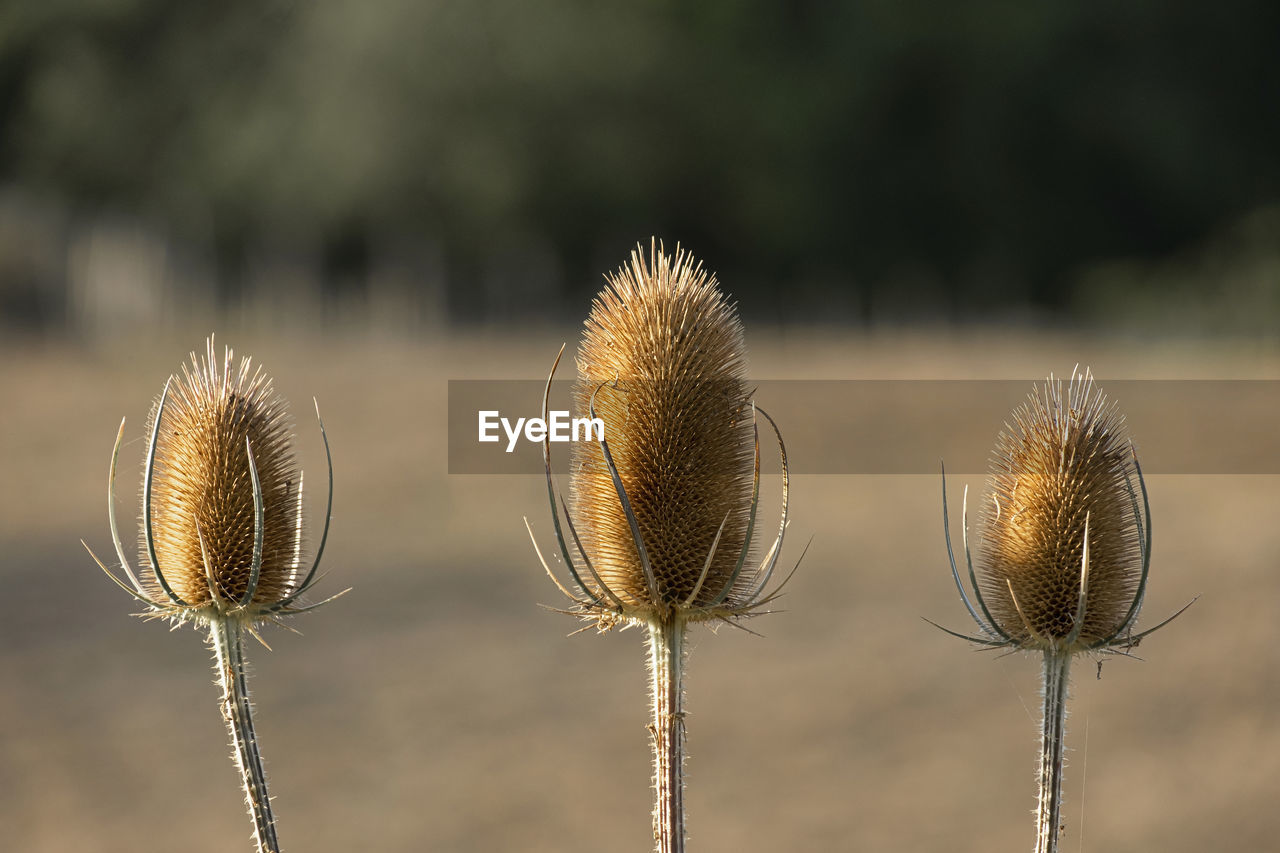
[{"x": 831, "y": 160}]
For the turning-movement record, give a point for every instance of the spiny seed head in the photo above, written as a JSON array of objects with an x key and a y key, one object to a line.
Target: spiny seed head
[
  {"x": 1065, "y": 460},
  {"x": 202, "y": 489},
  {"x": 664, "y": 358}
]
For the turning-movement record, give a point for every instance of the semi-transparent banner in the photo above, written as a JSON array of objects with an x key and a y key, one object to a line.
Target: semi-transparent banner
[{"x": 886, "y": 426}]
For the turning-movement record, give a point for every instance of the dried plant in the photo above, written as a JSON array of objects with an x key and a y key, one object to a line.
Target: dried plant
[
  {"x": 1063, "y": 565},
  {"x": 222, "y": 531},
  {"x": 664, "y": 504}
]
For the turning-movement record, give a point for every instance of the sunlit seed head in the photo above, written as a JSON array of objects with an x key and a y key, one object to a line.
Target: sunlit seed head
[
  {"x": 663, "y": 354},
  {"x": 1064, "y": 459},
  {"x": 202, "y": 487}
]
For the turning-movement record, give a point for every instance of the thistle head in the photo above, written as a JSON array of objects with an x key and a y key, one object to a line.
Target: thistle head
[
  {"x": 1066, "y": 545},
  {"x": 222, "y": 525},
  {"x": 664, "y": 504}
]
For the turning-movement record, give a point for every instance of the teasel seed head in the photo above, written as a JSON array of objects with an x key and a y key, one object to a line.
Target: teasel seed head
[
  {"x": 1066, "y": 545},
  {"x": 1063, "y": 471},
  {"x": 222, "y": 524},
  {"x": 664, "y": 506},
  {"x": 202, "y": 498},
  {"x": 664, "y": 358}
]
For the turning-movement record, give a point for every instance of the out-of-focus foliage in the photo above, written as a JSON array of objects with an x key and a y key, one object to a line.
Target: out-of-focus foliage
[{"x": 873, "y": 158}]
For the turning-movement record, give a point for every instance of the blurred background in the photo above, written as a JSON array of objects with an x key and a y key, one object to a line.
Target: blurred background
[
  {"x": 373, "y": 199},
  {"x": 421, "y": 163}
]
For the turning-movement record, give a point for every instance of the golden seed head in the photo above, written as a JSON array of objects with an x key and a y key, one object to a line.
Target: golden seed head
[
  {"x": 202, "y": 488},
  {"x": 663, "y": 355},
  {"x": 1066, "y": 459}
]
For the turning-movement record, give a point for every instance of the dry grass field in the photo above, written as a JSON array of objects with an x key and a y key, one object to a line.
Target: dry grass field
[{"x": 437, "y": 707}]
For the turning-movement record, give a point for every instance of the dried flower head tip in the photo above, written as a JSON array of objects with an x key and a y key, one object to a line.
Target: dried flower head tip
[
  {"x": 1067, "y": 528},
  {"x": 222, "y": 525},
  {"x": 664, "y": 504}
]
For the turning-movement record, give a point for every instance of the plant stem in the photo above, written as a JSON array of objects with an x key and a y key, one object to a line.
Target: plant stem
[
  {"x": 666, "y": 668},
  {"x": 1049, "y": 812},
  {"x": 226, "y": 637}
]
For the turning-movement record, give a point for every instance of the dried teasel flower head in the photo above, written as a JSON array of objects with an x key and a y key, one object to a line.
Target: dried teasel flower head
[
  {"x": 1067, "y": 528},
  {"x": 663, "y": 354},
  {"x": 222, "y": 525},
  {"x": 664, "y": 503}
]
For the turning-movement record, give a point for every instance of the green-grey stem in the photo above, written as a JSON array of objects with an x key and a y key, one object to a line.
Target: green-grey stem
[
  {"x": 666, "y": 669},
  {"x": 1049, "y": 812},
  {"x": 226, "y": 636}
]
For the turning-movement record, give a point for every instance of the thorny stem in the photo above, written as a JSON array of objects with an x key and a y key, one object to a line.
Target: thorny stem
[
  {"x": 1049, "y": 811},
  {"x": 226, "y": 637},
  {"x": 666, "y": 669}
]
